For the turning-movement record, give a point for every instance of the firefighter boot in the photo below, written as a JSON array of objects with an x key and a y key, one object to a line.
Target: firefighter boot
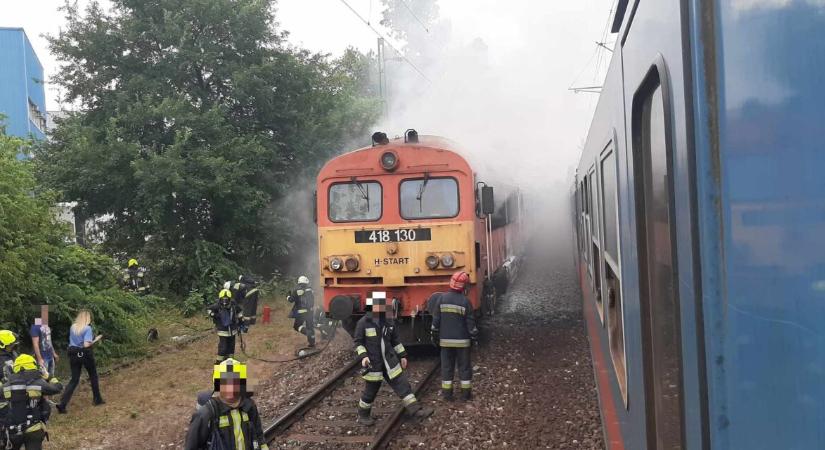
[
  {"x": 466, "y": 394},
  {"x": 415, "y": 410},
  {"x": 364, "y": 417},
  {"x": 447, "y": 394}
]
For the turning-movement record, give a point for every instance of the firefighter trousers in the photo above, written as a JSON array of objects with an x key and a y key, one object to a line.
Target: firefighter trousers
[
  {"x": 304, "y": 325},
  {"x": 400, "y": 385},
  {"x": 226, "y": 348},
  {"x": 450, "y": 356}
]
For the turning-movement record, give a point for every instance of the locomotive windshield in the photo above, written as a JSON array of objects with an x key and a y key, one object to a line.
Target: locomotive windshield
[
  {"x": 359, "y": 201},
  {"x": 429, "y": 198}
]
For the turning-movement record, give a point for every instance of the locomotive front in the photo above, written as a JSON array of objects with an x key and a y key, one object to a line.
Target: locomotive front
[{"x": 398, "y": 217}]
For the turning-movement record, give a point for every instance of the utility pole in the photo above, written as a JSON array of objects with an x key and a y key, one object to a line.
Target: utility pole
[{"x": 382, "y": 79}]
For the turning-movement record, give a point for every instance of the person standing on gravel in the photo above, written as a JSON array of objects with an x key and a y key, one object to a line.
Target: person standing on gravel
[
  {"x": 383, "y": 358},
  {"x": 453, "y": 329}
]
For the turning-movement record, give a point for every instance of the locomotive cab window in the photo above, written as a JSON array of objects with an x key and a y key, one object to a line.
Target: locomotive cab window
[
  {"x": 429, "y": 198},
  {"x": 356, "y": 201}
]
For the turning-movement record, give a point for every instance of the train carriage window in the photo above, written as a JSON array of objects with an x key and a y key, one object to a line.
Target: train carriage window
[
  {"x": 611, "y": 230},
  {"x": 357, "y": 201},
  {"x": 657, "y": 266},
  {"x": 429, "y": 198},
  {"x": 612, "y": 283},
  {"x": 594, "y": 224}
]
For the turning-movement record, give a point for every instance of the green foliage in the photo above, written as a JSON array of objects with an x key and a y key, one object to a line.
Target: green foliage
[
  {"x": 38, "y": 265},
  {"x": 197, "y": 121}
]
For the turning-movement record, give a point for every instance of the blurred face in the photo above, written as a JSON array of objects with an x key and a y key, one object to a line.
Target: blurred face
[
  {"x": 44, "y": 315},
  {"x": 230, "y": 390}
]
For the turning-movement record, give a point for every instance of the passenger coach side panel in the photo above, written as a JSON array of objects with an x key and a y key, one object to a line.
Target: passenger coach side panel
[{"x": 658, "y": 241}]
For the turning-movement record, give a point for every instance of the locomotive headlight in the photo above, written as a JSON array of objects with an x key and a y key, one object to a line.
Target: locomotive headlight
[
  {"x": 351, "y": 264},
  {"x": 447, "y": 260},
  {"x": 389, "y": 161},
  {"x": 336, "y": 264},
  {"x": 431, "y": 261}
]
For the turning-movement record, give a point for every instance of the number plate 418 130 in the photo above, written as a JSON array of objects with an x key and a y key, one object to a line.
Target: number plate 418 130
[{"x": 400, "y": 235}]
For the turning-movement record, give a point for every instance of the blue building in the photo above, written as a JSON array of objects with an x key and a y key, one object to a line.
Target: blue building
[{"x": 22, "y": 87}]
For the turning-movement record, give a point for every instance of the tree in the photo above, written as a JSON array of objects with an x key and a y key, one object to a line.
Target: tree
[
  {"x": 38, "y": 265},
  {"x": 197, "y": 119}
]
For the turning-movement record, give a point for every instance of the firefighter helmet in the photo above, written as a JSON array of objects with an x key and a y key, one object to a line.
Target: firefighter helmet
[
  {"x": 225, "y": 293},
  {"x": 229, "y": 369},
  {"x": 303, "y": 279},
  {"x": 7, "y": 338},
  {"x": 24, "y": 362},
  {"x": 459, "y": 280},
  {"x": 132, "y": 262}
]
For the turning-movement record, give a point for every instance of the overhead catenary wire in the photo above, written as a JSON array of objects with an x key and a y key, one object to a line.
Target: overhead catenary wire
[
  {"x": 415, "y": 16},
  {"x": 403, "y": 57}
]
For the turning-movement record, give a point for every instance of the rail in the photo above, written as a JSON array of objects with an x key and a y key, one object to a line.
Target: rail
[
  {"x": 286, "y": 420},
  {"x": 382, "y": 439}
]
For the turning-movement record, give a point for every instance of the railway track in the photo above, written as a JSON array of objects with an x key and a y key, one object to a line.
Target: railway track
[{"x": 325, "y": 417}]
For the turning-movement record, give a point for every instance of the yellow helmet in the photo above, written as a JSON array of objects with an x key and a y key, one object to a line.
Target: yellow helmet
[
  {"x": 225, "y": 293},
  {"x": 24, "y": 362},
  {"x": 229, "y": 369},
  {"x": 132, "y": 262},
  {"x": 7, "y": 338}
]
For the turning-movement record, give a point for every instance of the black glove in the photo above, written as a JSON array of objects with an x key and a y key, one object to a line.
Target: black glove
[{"x": 434, "y": 337}]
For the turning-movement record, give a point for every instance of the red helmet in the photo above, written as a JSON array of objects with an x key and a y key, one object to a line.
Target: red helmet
[{"x": 459, "y": 280}]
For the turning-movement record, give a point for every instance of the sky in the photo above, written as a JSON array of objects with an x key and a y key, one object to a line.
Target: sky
[{"x": 498, "y": 77}]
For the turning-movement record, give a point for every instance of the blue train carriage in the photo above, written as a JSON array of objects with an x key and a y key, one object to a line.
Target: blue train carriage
[{"x": 700, "y": 215}]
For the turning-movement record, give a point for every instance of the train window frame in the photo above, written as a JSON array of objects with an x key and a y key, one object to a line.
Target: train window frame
[
  {"x": 611, "y": 272},
  {"x": 655, "y": 81},
  {"x": 457, "y": 198},
  {"x": 381, "y": 196},
  {"x": 594, "y": 244}
]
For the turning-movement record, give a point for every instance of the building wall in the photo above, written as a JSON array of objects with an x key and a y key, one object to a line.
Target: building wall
[{"x": 22, "y": 85}]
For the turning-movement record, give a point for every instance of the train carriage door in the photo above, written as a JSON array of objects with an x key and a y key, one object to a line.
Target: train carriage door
[{"x": 661, "y": 336}]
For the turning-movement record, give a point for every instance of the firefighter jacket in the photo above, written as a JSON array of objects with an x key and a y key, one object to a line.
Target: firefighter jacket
[
  {"x": 382, "y": 345},
  {"x": 228, "y": 320},
  {"x": 248, "y": 297},
  {"x": 27, "y": 410},
  {"x": 453, "y": 319},
  {"x": 240, "y": 428},
  {"x": 302, "y": 299}
]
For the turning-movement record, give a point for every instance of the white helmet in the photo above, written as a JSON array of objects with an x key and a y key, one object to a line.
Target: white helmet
[
  {"x": 227, "y": 285},
  {"x": 303, "y": 280}
]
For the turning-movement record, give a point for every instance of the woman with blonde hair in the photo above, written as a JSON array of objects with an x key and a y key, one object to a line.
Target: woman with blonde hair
[{"x": 81, "y": 355}]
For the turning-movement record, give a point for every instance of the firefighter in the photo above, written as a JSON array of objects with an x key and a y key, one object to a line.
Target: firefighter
[
  {"x": 382, "y": 357},
  {"x": 246, "y": 294},
  {"x": 229, "y": 416},
  {"x": 303, "y": 304},
  {"x": 134, "y": 277},
  {"x": 28, "y": 410},
  {"x": 228, "y": 319},
  {"x": 8, "y": 353},
  {"x": 453, "y": 329}
]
